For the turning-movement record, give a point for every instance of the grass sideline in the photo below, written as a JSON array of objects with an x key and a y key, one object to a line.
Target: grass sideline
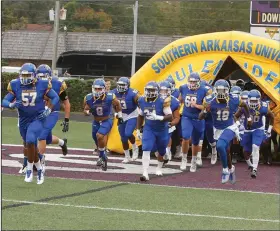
[
  {"x": 132, "y": 207},
  {"x": 79, "y": 134},
  {"x": 125, "y": 206}
]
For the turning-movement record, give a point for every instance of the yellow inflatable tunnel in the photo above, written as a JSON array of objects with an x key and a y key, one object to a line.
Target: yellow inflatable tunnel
[{"x": 206, "y": 53}]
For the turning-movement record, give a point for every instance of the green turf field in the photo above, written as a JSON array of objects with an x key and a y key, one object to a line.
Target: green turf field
[
  {"x": 95, "y": 205},
  {"x": 80, "y": 133},
  {"x": 112, "y": 205}
]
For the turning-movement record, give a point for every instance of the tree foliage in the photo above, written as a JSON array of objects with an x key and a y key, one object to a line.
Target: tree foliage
[{"x": 154, "y": 17}]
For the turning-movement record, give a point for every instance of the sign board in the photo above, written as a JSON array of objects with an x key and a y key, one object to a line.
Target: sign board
[
  {"x": 265, "y": 13},
  {"x": 266, "y": 32}
]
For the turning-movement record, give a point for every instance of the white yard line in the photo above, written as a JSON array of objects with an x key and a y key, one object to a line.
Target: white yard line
[
  {"x": 143, "y": 184},
  {"x": 142, "y": 211}
]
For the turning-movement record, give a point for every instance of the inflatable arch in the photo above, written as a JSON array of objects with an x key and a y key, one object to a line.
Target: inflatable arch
[{"x": 206, "y": 53}]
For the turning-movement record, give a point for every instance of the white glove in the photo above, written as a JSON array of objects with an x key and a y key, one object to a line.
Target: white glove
[
  {"x": 267, "y": 133},
  {"x": 237, "y": 134},
  {"x": 171, "y": 129},
  {"x": 237, "y": 123},
  {"x": 139, "y": 134},
  {"x": 154, "y": 116}
]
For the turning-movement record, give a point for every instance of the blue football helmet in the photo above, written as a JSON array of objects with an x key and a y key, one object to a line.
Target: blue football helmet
[
  {"x": 27, "y": 73},
  {"x": 165, "y": 88},
  {"x": 172, "y": 83},
  {"x": 123, "y": 84},
  {"x": 194, "y": 81},
  {"x": 44, "y": 72},
  {"x": 151, "y": 90},
  {"x": 222, "y": 89},
  {"x": 244, "y": 96},
  {"x": 254, "y": 99},
  {"x": 98, "y": 88},
  {"x": 235, "y": 90}
]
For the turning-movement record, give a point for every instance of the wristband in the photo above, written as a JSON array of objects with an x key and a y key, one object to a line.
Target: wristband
[
  {"x": 119, "y": 114},
  {"x": 269, "y": 128},
  {"x": 249, "y": 119},
  {"x": 66, "y": 119},
  {"x": 238, "y": 123}
]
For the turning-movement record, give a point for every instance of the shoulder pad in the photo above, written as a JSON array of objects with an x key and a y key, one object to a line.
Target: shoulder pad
[
  {"x": 166, "y": 102},
  {"x": 264, "y": 104},
  {"x": 63, "y": 86},
  {"x": 88, "y": 96},
  {"x": 135, "y": 91}
]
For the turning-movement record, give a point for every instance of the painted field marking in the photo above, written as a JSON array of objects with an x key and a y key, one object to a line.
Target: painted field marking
[
  {"x": 149, "y": 184},
  {"x": 157, "y": 185},
  {"x": 142, "y": 211}
]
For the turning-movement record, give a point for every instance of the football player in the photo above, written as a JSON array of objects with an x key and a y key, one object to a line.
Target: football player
[
  {"x": 156, "y": 113},
  {"x": 222, "y": 106},
  {"x": 255, "y": 134},
  {"x": 128, "y": 98},
  {"x": 235, "y": 147},
  {"x": 29, "y": 93},
  {"x": 176, "y": 135},
  {"x": 192, "y": 95},
  {"x": 165, "y": 91},
  {"x": 99, "y": 103},
  {"x": 46, "y": 137},
  {"x": 209, "y": 132}
]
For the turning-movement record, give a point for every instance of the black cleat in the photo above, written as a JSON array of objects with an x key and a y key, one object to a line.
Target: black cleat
[
  {"x": 250, "y": 168},
  {"x": 99, "y": 162},
  {"x": 165, "y": 162},
  {"x": 64, "y": 147},
  {"x": 254, "y": 174},
  {"x": 143, "y": 178},
  {"x": 104, "y": 163}
]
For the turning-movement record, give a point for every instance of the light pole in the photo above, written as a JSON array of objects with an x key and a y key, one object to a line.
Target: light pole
[
  {"x": 55, "y": 15},
  {"x": 135, "y": 14}
]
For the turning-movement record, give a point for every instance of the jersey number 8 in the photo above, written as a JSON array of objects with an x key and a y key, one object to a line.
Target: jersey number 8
[
  {"x": 222, "y": 115},
  {"x": 25, "y": 98},
  {"x": 189, "y": 100},
  {"x": 99, "y": 111}
]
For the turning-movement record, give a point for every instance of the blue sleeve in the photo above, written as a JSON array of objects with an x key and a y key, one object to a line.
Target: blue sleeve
[
  {"x": 53, "y": 96},
  {"x": 7, "y": 100}
]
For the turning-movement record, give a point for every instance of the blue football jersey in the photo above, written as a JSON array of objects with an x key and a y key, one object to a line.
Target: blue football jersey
[
  {"x": 31, "y": 96},
  {"x": 58, "y": 86},
  {"x": 176, "y": 93},
  {"x": 156, "y": 107},
  {"x": 127, "y": 100},
  {"x": 175, "y": 104},
  {"x": 192, "y": 96},
  {"x": 257, "y": 116},
  {"x": 223, "y": 113},
  {"x": 102, "y": 106}
]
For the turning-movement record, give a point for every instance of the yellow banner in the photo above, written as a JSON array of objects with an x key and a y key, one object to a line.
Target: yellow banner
[{"x": 258, "y": 57}]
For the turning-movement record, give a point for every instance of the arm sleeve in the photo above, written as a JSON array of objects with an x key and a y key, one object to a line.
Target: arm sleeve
[
  {"x": 63, "y": 96},
  {"x": 9, "y": 88},
  {"x": 53, "y": 96},
  {"x": 167, "y": 110},
  {"x": 7, "y": 100},
  {"x": 140, "y": 112}
]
